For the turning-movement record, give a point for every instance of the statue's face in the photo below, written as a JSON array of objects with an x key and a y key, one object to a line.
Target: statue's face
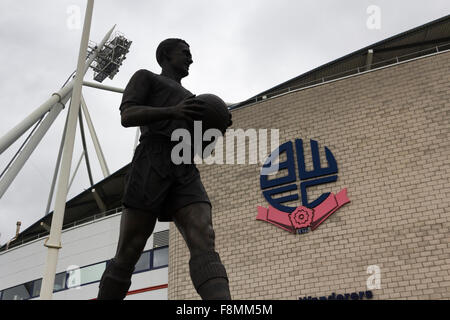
[{"x": 180, "y": 59}]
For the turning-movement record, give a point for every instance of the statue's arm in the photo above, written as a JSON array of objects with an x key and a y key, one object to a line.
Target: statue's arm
[
  {"x": 189, "y": 109},
  {"x": 134, "y": 116},
  {"x": 135, "y": 113}
]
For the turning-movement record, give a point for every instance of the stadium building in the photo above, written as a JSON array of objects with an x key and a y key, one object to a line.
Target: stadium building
[
  {"x": 89, "y": 240},
  {"x": 383, "y": 113},
  {"x": 357, "y": 210}
]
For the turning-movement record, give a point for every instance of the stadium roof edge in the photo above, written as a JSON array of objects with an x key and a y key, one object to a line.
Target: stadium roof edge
[{"x": 419, "y": 38}]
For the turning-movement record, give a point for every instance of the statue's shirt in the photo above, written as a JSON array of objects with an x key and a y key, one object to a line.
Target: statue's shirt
[
  {"x": 154, "y": 183},
  {"x": 146, "y": 88}
]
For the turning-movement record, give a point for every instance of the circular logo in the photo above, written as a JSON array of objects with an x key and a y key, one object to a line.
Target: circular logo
[{"x": 281, "y": 189}]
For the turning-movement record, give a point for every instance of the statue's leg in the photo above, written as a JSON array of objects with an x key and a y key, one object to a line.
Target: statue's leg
[
  {"x": 135, "y": 228},
  {"x": 208, "y": 274}
]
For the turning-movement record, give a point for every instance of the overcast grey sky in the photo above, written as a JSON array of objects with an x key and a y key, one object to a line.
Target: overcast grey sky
[{"x": 239, "y": 47}]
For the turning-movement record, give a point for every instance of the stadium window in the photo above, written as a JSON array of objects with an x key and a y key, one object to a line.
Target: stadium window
[
  {"x": 20, "y": 292},
  {"x": 60, "y": 282},
  {"x": 92, "y": 273},
  {"x": 36, "y": 288},
  {"x": 160, "y": 257},
  {"x": 143, "y": 262}
]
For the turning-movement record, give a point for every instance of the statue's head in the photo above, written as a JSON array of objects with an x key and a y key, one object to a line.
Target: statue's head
[{"x": 174, "y": 54}]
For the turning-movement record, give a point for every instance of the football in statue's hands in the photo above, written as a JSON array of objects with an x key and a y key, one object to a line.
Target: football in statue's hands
[{"x": 216, "y": 114}]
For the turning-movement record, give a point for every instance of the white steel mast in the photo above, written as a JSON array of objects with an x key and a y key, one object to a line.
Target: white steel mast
[{"x": 53, "y": 243}]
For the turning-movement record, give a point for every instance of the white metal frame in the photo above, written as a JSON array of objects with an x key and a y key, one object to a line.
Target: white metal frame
[{"x": 50, "y": 109}]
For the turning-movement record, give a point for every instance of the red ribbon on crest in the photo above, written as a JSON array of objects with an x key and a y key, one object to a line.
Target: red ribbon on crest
[{"x": 303, "y": 217}]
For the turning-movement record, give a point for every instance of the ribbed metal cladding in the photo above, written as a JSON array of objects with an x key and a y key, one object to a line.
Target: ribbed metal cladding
[{"x": 161, "y": 239}]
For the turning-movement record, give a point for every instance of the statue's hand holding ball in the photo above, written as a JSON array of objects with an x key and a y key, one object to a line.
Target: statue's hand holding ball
[{"x": 208, "y": 108}]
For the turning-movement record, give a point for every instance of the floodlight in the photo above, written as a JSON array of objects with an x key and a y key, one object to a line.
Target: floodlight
[{"x": 110, "y": 57}]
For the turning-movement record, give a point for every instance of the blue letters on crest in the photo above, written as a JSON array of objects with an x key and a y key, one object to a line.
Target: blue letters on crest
[{"x": 290, "y": 179}]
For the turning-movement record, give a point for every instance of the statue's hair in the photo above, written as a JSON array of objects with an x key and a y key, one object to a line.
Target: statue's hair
[{"x": 165, "y": 47}]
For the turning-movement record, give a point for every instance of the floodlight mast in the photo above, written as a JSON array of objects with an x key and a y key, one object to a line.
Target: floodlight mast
[
  {"x": 110, "y": 56},
  {"x": 53, "y": 243},
  {"x": 98, "y": 150},
  {"x": 12, "y": 135}
]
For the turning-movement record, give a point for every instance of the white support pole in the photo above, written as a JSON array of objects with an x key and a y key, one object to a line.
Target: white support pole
[
  {"x": 55, "y": 172},
  {"x": 16, "y": 132},
  {"x": 102, "y": 87},
  {"x": 75, "y": 171},
  {"x": 31, "y": 145},
  {"x": 83, "y": 141},
  {"x": 100, "y": 203},
  {"x": 11, "y": 136},
  {"x": 369, "y": 59},
  {"x": 53, "y": 243},
  {"x": 97, "y": 147}
]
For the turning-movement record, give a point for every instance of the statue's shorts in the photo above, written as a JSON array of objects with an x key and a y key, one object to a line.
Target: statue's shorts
[{"x": 157, "y": 185}]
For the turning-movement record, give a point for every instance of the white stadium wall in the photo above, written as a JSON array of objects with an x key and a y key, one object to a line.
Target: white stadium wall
[{"x": 84, "y": 245}]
